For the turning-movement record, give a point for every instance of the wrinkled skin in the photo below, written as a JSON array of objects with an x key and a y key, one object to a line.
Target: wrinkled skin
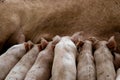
[{"x": 46, "y": 18}]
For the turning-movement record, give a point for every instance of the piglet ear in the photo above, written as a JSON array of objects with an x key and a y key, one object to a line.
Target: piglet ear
[
  {"x": 94, "y": 41},
  {"x": 112, "y": 45},
  {"x": 80, "y": 43},
  {"x": 44, "y": 43},
  {"x": 30, "y": 44},
  {"x": 76, "y": 37},
  {"x": 26, "y": 46},
  {"x": 56, "y": 39}
]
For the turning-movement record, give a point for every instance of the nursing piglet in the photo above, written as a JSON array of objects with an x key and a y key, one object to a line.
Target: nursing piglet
[
  {"x": 11, "y": 57},
  {"x": 20, "y": 70},
  {"x": 64, "y": 64},
  {"x": 104, "y": 60},
  {"x": 86, "y": 67},
  {"x": 41, "y": 70}
]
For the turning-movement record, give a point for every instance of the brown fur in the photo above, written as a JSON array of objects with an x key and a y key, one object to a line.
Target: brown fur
[{"x": 39, "y": 18}]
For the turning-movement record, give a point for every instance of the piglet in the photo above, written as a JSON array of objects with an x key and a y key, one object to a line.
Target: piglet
[
  {"x": 86, "y": 67},
  {"x": 104, "y": 59},
  {"x": 41, "y": 70},
  {"x": 11, "y": 57},
  {"x": 19, "y": 71},
  {"x": 64, "y": 64}
]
